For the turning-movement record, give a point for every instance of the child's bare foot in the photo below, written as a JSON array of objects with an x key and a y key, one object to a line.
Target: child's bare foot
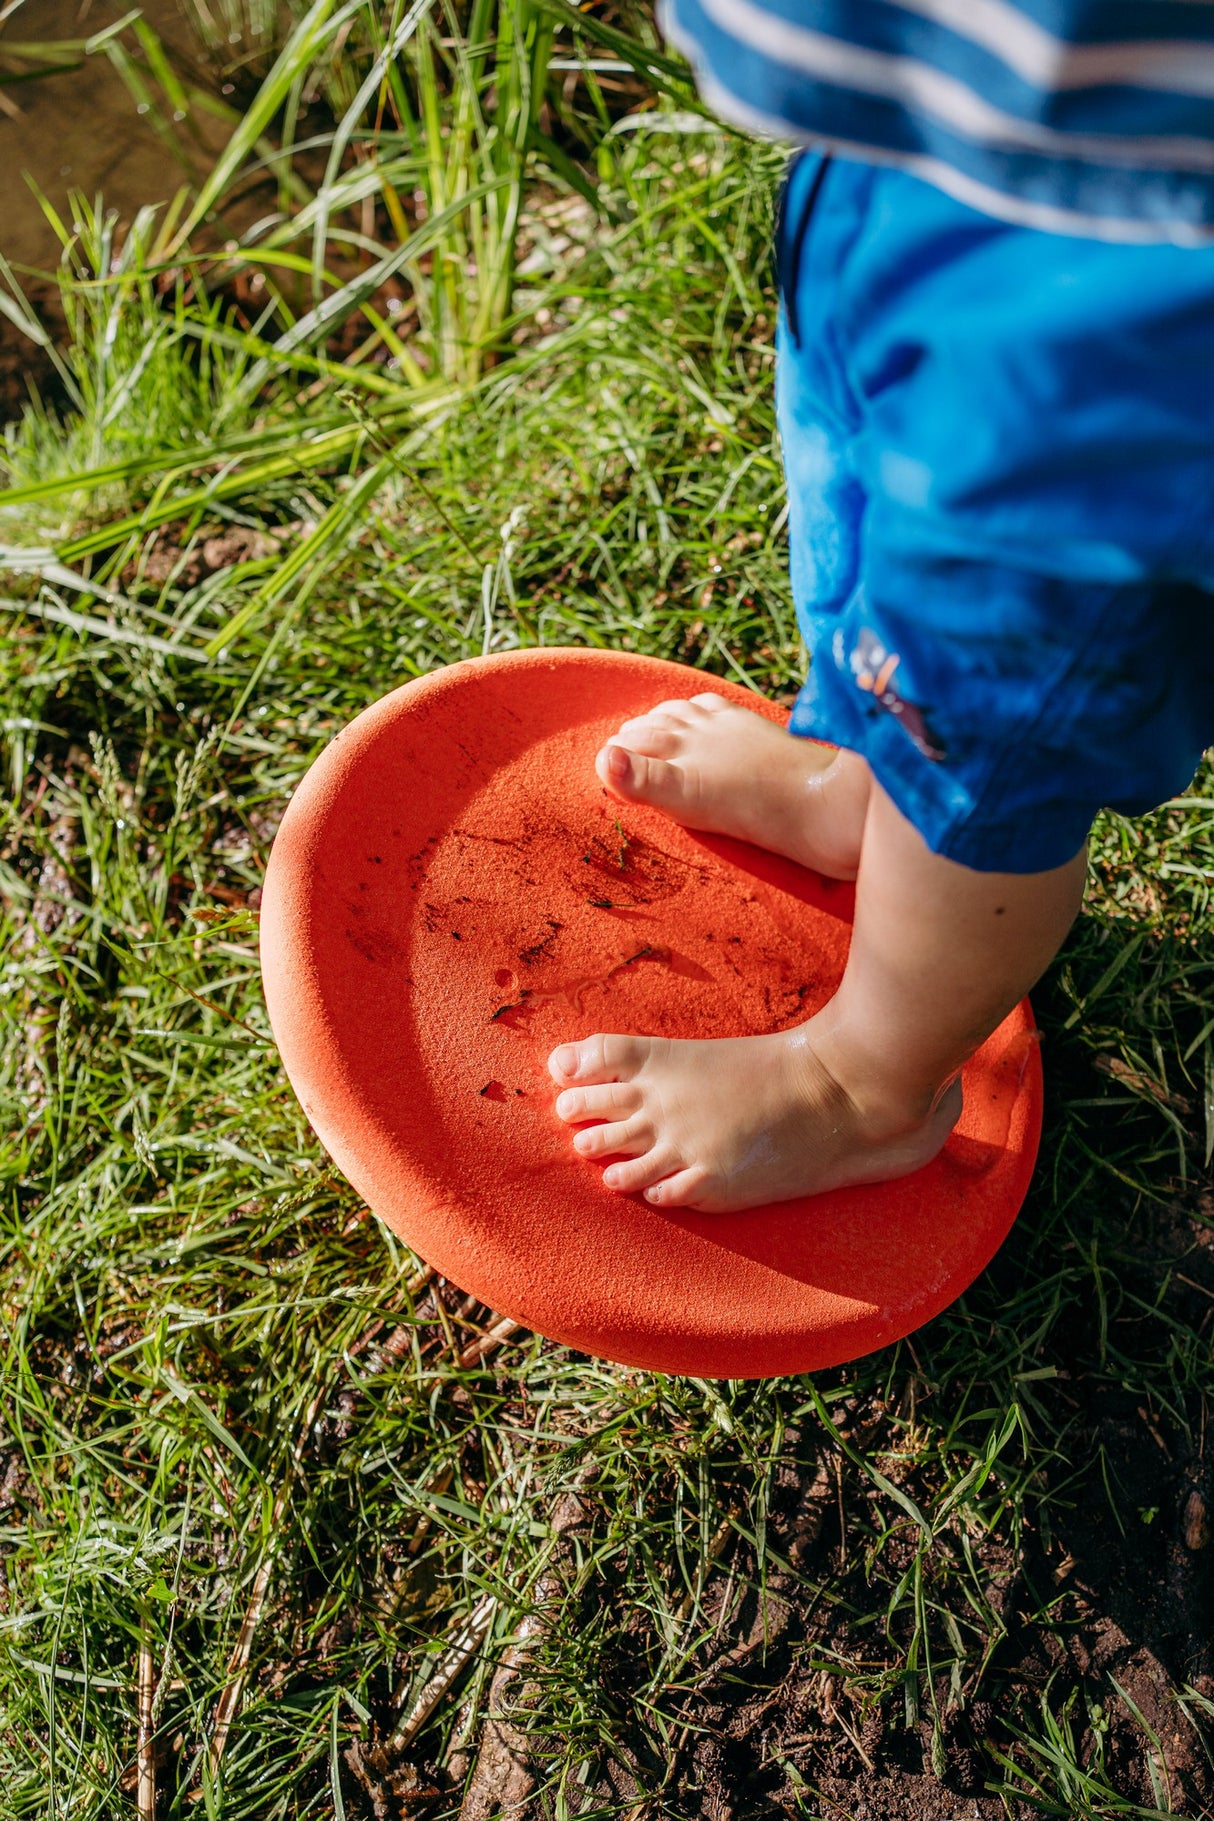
[
  {"x": 734, "y": 1123},
  {"x": 723, "y": 769}
]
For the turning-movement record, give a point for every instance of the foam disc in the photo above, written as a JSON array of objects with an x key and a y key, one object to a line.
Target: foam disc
[{"x": 452, "y": 893}]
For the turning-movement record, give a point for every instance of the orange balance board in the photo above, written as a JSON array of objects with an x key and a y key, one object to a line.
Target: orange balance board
[{"x": 452, "y": 893}]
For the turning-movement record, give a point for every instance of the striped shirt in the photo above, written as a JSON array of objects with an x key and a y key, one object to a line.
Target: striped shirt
[{"x": 1091, "y": 117}]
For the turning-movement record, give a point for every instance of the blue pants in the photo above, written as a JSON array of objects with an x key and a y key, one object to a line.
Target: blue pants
[{"x": 999, "y": 446}]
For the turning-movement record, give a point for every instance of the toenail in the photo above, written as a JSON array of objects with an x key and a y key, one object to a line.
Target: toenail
[
  {"x": 619, "y": 763},
  {"x": 565, "y": 1060},
  {"x": 565, "y": 1103}
]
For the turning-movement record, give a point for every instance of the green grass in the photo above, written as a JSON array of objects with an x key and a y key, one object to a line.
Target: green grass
[{"x": 264, "y": 1499}]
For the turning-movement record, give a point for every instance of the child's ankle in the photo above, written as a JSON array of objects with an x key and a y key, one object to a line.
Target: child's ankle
[{"x": 892, "y": 1100}]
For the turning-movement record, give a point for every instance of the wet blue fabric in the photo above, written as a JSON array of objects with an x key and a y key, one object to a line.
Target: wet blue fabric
[{"x": 999, "y": 446}]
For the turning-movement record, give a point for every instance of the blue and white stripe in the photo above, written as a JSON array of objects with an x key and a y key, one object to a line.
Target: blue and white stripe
[{"x": 1080, "y": 116}]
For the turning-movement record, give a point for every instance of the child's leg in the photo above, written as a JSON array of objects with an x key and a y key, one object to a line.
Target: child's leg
[
  {"x": 996, "y": 444},
  {"x": 940, "y": 955},
  {"x": 862, "y": 1092}
]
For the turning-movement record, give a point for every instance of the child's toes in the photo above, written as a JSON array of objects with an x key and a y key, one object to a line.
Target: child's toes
[
  {"x": 614, "y": 1100},
  {"x": 639, "y": 1172},
  {"x": 682, "y": 1190},
  {"x": 677, "y": 712},
  {"x": 622, "y": 1138},
  {"x": 596, "y": 1059},
  {"x": 656, "y": 739},
  {"x": 710, "y": 701},
  {"x": 632, "y": 774}
]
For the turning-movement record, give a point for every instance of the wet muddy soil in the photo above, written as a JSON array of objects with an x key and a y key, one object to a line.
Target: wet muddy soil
[{"x": 80, "y": 129}]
